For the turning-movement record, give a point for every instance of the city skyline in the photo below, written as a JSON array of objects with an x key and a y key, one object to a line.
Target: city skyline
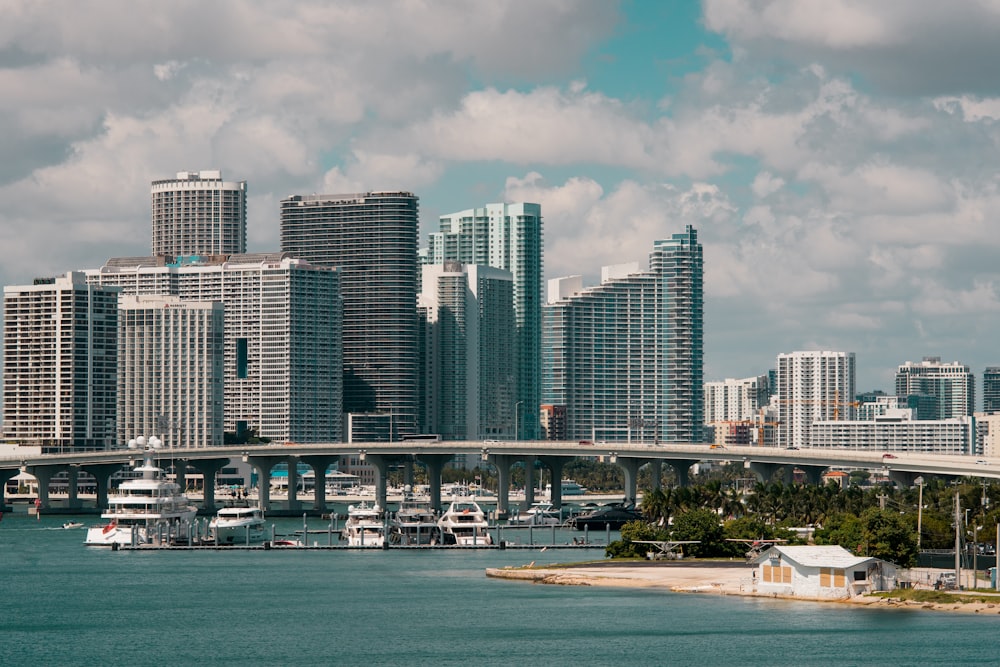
[{"x": 839, "y": 161}]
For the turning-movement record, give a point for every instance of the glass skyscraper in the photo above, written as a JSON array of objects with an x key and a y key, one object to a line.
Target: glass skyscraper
[
  {"x": 625, "y": 357},
  {"x": 508, "y": 237},
  {"x": 371, "y": 238}
]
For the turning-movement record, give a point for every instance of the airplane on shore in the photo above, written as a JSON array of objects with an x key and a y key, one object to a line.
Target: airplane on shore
[
  {"x": 665, "y": 548},
  {"x": 755, "y": 547}
]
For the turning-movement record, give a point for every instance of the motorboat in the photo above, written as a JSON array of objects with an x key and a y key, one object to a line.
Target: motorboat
[
  {"x": 539, "y": 514},
  {"x": 609, "y": 516},
  {"x": 237, "y": 525},
  {"x": 72, "y": 524},
  {"x": 414, "y": 522},
  {"x": 145, "y": 508},
  {"x": 464, "y": 524},
  {"x": 568, "y": 487},
  {"x": 365, "y": 526}
]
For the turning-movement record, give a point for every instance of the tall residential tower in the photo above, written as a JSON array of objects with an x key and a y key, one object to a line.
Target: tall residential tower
[
  {"x": 198, "y": 213},
  {"x": 371, "y": 238},
  {"x": 813, "y": 386},
  {"x": 508, "y": 237}
]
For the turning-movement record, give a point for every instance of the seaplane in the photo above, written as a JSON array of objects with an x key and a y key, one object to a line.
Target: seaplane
[
  {"x": 666, "y": 549},
  {"x": 755, "y": 546}
]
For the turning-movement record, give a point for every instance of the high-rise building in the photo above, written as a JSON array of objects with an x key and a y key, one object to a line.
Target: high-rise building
[
  {"x": 624, "y": 358},
  {"x": 813, "y": 386},
  {"x": 372, "y": 239},
  {"x": 735, "y": 400},
  {"x": 170, "y": 370},
  {"x": 508, "y": 237},
  {"x": 282, "y": 368},
  {"x": 60, "y": 364},
  {"x": 468, "y": 361},
  {"x": 938, "y": 390},
  {"x": 198, "y": 213},
  {"x": 991, "y": 390},
  {"x": 896, "y": 431}
]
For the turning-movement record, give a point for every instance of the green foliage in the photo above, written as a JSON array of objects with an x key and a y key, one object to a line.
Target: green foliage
[
  {"x": 630, "y": 532},
  {"x": 703, "y": 525},
  {"x": 887, "y": 536},
  {"x": 844, "y": 529}
]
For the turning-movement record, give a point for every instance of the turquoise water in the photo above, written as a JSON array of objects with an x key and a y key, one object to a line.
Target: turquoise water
[{"x": 66, "y": 604}]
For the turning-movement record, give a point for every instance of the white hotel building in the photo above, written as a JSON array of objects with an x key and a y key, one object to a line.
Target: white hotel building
[
  {"x": 813, "y": 386},
  {"x": 896, "y": 431},
  {"x": 170, "y": 370},
  {"x": 283, "y": 354}
]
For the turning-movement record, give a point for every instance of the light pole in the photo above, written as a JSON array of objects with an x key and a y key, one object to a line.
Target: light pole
[{"x": 517, "y": 415}]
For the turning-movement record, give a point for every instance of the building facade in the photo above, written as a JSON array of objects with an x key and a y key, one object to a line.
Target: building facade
[
  {"x": 371, "y": 238},
  {"x": 509, "y": 237},
  {"x": 468, "y": 362},
  {"x": 60, "y": 379},
  {"x": 170, "y": 370},
  {"x": 813, "y": 386},
  {"x": 198, "y": 213},
  {"x": 282, "y": 363},
  {"x": 625, "y": 357},
  {"x": 941, "y": 390},
  {"x": 991, "y": 390},
  {"x": 896, "y": 431}
]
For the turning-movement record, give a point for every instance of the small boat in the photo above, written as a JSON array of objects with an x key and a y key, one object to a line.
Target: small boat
[
  {"x": 287, "y": 543},
  {"x": 72, "y": 524},
  {"x": 568, "y": 487},
  {"x": 539, "y": 514},
  {"x": 146, "y": 508},
  {"x": 414, "y": 522},
  {"x": 609, "y": 516},
  {"x": 237, "y": 525},
  {"x": 365, "y": 526},
  {"x": 464, "y": 524}
]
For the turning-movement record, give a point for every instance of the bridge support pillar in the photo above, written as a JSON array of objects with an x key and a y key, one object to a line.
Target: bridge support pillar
[
  {"x": 655, "y": 470},
  {"x": 904, "y": 478},
  {"x": 102, "y": 476},
  {"x": 208, "y": 468},
  {"x": 631, "y": 467},
  {"x": 681, "y": 468},
  {"x": 503, "y": 463},
  {"x": 529, "y": 482},
  {"x": 263, "y": 465},
  {"x": 72, "y": 488},
  {"x": 814, "y": 474},
  {"x": 435, "y": 465},
  {"x": 44, "y": 475},
  {"x": 764, "y": 471},
  {"x": 555, "y": 464},
  {"x": 319, "y": 464},
  {"x": 6, "y": 476},
  {"x": 294, "y": 504}
]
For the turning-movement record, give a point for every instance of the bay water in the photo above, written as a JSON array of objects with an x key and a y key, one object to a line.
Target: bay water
[{"x": 67, "y": 604}]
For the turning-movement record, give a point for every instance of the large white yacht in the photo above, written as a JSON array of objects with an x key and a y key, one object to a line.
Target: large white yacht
[
  {"x": 539, "y": 514},
  {"x": 464, "y": 524},
  {"x": 414, "y": 522},
  {"x": 145, "y": 508},
  {"x": 365, "y": 526},
  {"x": 237, "y": 525}
]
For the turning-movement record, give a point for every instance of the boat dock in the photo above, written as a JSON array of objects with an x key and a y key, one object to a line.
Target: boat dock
[{"x": 271, "y": 546}]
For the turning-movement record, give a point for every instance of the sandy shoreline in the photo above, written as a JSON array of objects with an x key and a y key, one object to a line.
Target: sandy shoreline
[{"x": 699, "y": 577}]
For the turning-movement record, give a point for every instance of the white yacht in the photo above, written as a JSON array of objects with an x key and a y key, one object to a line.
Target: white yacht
[
  {"x": 365, "y": 526},
  {"x": 464, "y": 524},
  {"x": 145, "y": 508},
  {"x": 414, "y": 522},
  {"x": 539, "y": 514},
  {"x": 237, "y": 525}
]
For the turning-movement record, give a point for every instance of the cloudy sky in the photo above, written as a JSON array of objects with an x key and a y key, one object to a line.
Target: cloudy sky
[{"x": 838, "y": 157}]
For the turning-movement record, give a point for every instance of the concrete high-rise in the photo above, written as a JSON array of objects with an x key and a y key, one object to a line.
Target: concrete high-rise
[
  {"x": 938, "y": 390},
  {"x": 170, "y": 370},
  {"x": 509, "y": 237},
  {"x": 60, "y": 364},
  {"x": 468, "y": 361},
  {"x": 813, "y": 386},
  {"x": 371, "y": 238},
  {"x": 625, "y": 357},
  {"x": 198, "y": 213},
  {"x": 282, "y": 365}
]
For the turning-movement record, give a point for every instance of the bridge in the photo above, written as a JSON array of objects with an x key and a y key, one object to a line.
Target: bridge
[{"x": 902, "y": 467}]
